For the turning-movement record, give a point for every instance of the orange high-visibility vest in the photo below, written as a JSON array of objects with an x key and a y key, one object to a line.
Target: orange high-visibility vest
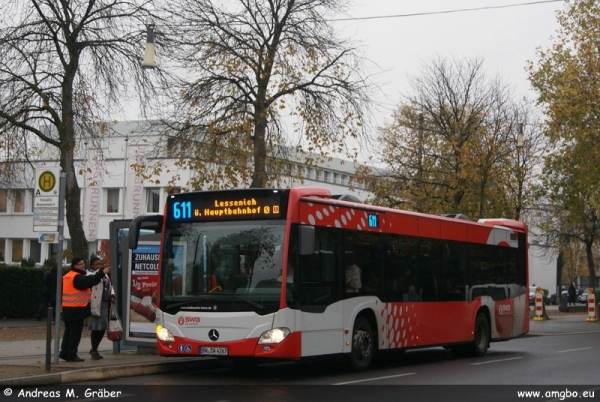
[{"x": 72, "y": 297}]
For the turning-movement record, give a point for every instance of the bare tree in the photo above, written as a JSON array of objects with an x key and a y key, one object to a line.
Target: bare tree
[
  {"x": 67, "y": 65},
  {"x": 262, "y": 78},
  {"x": 451, "y": 146},
  {"x": 18, "y": 151}
]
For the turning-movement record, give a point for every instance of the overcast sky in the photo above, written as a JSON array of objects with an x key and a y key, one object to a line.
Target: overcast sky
[{"x": 504, "y": 37}]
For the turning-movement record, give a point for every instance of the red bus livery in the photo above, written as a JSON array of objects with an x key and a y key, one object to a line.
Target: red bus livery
[{"x": 298, "y": 273}]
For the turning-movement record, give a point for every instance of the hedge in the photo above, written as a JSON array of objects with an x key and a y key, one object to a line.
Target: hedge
[{"x": 20, "y": 291}]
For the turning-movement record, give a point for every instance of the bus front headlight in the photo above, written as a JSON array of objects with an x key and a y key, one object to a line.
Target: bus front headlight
[
  {"x": 275, "y": 335},
  {"x": 164, "y": 334}
]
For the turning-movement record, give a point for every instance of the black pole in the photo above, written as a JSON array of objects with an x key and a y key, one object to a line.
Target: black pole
[
  {"x": 59, "y": 261},
  {"x": 49, "y": 318}
]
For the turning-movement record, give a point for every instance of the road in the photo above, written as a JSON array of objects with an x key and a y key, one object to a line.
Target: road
[{"x": 560, "y": 363}]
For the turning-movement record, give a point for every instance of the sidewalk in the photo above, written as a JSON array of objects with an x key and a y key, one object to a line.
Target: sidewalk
[
  {"x": 29, "y": 357},
  {"x": 22, "y": 363}
]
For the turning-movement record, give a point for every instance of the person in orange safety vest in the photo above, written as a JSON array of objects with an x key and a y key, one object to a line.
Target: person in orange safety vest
[{"x": 76, "y": 297}]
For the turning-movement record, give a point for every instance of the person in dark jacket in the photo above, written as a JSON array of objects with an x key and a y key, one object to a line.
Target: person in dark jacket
[
  {"x": 48, "y": 293},
  {"x": 76, "y": 299},
  {"x": 572, "y": 295}
]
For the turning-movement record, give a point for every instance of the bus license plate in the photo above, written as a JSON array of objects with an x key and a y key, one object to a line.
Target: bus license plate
[{"x": 214, "y": 351}]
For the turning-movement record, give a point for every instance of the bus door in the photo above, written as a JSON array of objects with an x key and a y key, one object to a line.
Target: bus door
[{"x": 321, "y": 312}]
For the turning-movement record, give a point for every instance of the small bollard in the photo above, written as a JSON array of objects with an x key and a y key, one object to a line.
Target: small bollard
[
  {"x": 49, "y": 319},
  {"x": 540, "y": 312},
  {"x": 591, "y": 306}
]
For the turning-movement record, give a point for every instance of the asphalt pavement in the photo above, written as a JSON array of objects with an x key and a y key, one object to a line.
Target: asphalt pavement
[{"x": 127, "y": 361}]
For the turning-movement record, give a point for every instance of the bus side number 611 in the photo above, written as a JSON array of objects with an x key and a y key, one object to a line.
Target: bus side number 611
[{"x": 182, "y": 210}]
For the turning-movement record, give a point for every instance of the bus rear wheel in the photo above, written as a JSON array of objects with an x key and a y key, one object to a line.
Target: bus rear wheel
[
  {"x": 363, "y": 345},
  {"x": 481, "y": 342}
]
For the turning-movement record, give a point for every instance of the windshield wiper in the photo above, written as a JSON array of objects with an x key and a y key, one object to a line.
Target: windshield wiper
[
  {"x": 186, "y": 303},
  {"x": 199, "y": 301},
  {"x": 250, "y": 302}
]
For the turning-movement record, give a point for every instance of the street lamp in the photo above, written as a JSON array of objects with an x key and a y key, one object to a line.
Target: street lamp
[
  {"x": 520, "y": 144},
  {"x": 148, "y": 61},
  {"x": 520, "y": 137}
]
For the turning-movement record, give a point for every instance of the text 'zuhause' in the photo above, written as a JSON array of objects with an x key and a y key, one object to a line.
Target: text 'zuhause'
[{"x": 145, "y": 257}]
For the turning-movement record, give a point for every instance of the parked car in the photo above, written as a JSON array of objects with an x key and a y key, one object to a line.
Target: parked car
[
  {"x": 564, "y": 295},
  {"x": 582, "y": 298}
]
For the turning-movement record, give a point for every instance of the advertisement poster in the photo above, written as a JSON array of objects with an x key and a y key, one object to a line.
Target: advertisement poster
[{"x": 144, "y": 287}]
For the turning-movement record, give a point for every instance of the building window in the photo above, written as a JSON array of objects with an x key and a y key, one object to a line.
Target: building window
[
  {"x": 17, "y": 250},
  {"x": 291, "y": 169},
  {"x": 2, "y": 245},
  {"x": 153, "y": 200},
  {"x": 112, "y": 200},
  {"x": 52, "y": 250},
  {"x": 179, "y": 147},
  {"x": 19, "y": 202},
  {"x": 172, "y": 147},
  {"x": 3, "y": 199},
  {"x": 35, "y": 250}
]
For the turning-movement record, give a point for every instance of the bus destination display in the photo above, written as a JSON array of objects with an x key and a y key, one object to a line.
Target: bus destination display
[{"x": 192, "y": 207}]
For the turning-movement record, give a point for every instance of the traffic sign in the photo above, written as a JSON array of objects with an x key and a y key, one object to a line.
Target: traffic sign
[{"x": 46, "y": 199}]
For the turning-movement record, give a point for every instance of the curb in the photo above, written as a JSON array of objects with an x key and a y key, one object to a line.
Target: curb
[{"x": 110, "y": 372}]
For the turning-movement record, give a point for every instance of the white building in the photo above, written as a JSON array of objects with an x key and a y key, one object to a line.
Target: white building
[
  {"x": 542, "y": 267},
  {"x": 111, "y": 190}
]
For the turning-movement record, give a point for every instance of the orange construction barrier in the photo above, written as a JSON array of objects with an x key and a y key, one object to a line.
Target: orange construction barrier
[
  {"x": 591, "y": 305},
  {"x": 539, "y": 305}
]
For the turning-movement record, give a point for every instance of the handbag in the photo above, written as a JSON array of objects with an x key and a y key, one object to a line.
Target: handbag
[{"x": 115, "y": 329}]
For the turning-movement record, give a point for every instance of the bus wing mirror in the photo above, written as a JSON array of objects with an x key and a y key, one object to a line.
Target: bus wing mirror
[
  {"x": 150, "y": 222},
  {"x": 306, "y": 244}
]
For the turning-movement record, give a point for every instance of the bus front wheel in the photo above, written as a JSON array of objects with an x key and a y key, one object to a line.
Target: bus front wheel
[
  {"x": 481, "y": 342},
  {"x": 363, "y": 345}
]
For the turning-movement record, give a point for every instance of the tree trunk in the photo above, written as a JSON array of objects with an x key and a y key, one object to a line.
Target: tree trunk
[
  {"x": 259, "y": 177},
  {"x": 79, "y": 243},
  {"x": 589, "y": 252}
]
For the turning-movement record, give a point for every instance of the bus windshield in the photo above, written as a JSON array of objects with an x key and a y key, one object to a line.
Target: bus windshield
[{"x": 222, "y": 267}]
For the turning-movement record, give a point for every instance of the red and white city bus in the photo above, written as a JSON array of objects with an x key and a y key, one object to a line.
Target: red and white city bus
[{"x": 297, "y": 273}]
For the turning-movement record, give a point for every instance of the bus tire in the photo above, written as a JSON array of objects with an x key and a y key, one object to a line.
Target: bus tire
[
  {"x": 481, "y": 343},
  {"x": 363, "y": 344}
]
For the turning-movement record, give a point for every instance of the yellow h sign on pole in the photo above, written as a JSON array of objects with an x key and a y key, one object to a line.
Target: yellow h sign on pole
[{"x": 46, "y": 200}]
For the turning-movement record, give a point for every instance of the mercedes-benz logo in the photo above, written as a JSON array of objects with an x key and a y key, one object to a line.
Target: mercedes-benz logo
[{"x": 213, "y": 335}]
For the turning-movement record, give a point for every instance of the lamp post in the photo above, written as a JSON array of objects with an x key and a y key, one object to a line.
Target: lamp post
[
  {"x": 520, "y": 145},
  {"x": 148, "y": 61},
  {"x": 420, "y": 163},
  {"x": 520, "y": 137}
]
